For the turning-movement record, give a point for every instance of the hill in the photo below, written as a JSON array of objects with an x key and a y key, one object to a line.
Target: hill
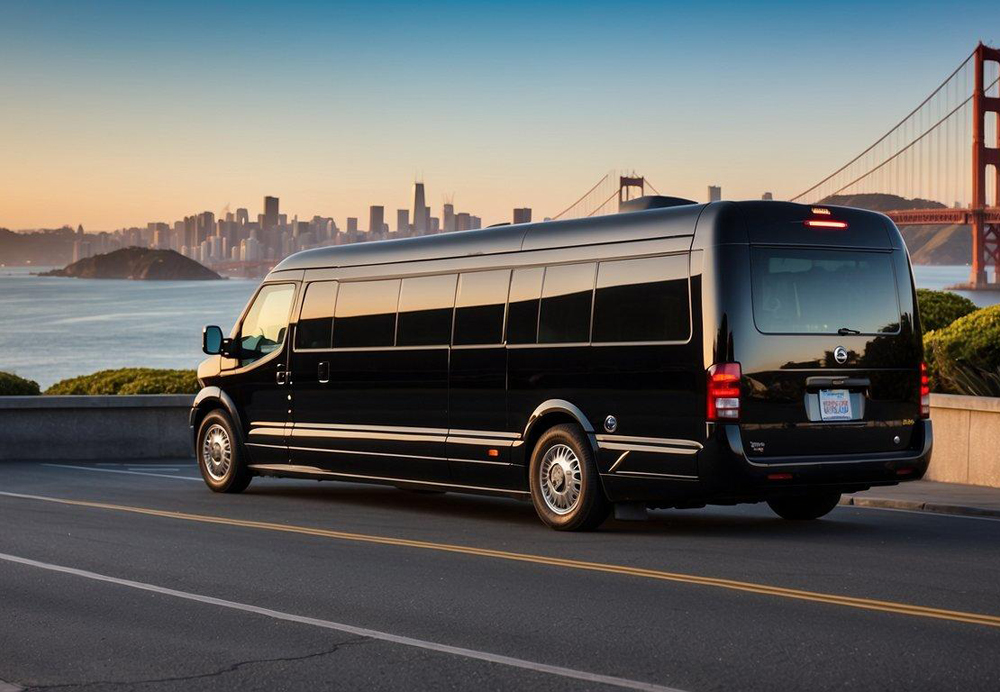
[
  {"x": 927, "y": 244},
  {"x": 137, "y": 263}
]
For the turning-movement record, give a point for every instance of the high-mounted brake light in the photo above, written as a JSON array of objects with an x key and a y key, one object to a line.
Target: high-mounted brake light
[
  {"x": 724, "y": 392},
  {"x": 820, "y": 211},
  {"x": 925, "y": 392},
  {"x": 823, "y": 223}
]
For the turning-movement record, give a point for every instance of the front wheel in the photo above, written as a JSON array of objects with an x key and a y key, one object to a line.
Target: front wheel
[
  {"x": 565, "y": 487},
  {"x": 220, "y": 455},
  {"x": 804, "y": 507}
]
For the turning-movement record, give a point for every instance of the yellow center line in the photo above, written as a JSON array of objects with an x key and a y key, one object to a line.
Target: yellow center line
[{"x": 731, "y": 584}]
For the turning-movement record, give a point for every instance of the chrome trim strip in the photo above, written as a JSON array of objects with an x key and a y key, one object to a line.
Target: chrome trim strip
[
  {"x": 482, "y": 441},
  {"x": 359, "y": 435},
  {"x": 401, "y": 429},
  {"x": 649, "y": 440},
  {"x": 294, "y": 468},
  {"x": 620, "y": 460},
  {"x": 268, "y": 432},
  {"x": 480, "y": 461},
  {"x": 647, "y": 448},
  {"x": 675, "y": 476}
]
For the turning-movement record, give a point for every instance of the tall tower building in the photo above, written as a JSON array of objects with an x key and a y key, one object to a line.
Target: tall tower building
[
  {"x": 376, "y": 219},
  {"x": 449, "y": 218},
  {"x": 242, "y": 216},
  {"x": 403, "y": 221},
  {"x": 714, "y": 193},
  {"x": 420, "y": 211},
  {"x": 522, "y": 215}
]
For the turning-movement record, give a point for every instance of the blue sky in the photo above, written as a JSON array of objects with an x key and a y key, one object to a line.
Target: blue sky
[{"x": 118, "y": 113}]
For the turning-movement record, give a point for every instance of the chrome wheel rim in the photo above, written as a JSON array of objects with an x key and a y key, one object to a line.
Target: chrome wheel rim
[
  {"x": 217, "y": 452},
  {"x": 560, "y": 478}
]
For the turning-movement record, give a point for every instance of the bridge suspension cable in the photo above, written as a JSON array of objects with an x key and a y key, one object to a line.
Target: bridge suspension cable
[{"x": 923, "y": 157}]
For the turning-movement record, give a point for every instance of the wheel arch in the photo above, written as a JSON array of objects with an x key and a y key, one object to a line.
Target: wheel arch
[
  {"x": 549, "y": 414},
  {"x": 209, "y": 399}
]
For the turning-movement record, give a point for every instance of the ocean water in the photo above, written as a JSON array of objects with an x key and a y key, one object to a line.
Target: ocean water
[{"x": 52, "y": 328}]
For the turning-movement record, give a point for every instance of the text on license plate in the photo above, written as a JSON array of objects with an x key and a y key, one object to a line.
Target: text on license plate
[{"x": 835, "y": 404}]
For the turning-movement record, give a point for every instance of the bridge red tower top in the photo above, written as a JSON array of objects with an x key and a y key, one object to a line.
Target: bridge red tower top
[{"x": 985, "y": 235}]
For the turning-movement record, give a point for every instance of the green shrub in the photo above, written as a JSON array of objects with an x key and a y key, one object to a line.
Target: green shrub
[
  {"x": 940, "y": 308},
  {"x": 12, "y": 385},
  {"x": 129, "y": 381},
  {"x": 967, "y": 348}
]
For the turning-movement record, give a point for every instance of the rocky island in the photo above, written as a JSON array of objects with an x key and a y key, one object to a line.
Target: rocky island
[{"x": 141, "y": 264}]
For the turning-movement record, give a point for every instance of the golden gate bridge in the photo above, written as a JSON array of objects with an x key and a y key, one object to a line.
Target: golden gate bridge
[{"x": 940, "y": 165}]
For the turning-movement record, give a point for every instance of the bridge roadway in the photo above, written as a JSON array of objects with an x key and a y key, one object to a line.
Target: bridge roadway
[{"x": 136, "y": 577}]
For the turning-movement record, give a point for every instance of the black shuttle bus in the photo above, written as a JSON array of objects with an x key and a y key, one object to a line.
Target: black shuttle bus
[{"x": 671, "y": 357}]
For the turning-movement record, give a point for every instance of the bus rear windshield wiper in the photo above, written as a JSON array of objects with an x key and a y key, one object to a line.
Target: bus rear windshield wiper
[{"x": 844, "y": 331}]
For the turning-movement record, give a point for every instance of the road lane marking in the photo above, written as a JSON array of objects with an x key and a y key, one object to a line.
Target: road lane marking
[
  {"x": 131, "y": 473},
  {"x": 731, "y": 584},
  {"x": 351, "y": 629}
]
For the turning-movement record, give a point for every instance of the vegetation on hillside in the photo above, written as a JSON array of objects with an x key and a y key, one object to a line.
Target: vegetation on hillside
[
  {"x": 137, "y": 263},
  {"x": 964, "y": 357},
  {"x": 129, "y": 381},
  {"x": 940, "y": 308},
  {"x": 12, "y": 385}
]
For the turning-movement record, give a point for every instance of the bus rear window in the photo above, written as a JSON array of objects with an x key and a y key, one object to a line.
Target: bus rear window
[{"x": 806, "y": 291}]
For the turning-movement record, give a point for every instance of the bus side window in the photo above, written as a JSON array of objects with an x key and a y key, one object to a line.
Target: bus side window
[
  {"x": 315, "y": 328},
  {"x": 366, "y": 314},
  {"x": 479, "y": 307},
  {"x": 566, "y": 301},
  {"x": 642, "y": 300},
  {"x": 426, "y": 304},
  {"x": 522, "y": 313},
  {"x": 263, "y": 329}
]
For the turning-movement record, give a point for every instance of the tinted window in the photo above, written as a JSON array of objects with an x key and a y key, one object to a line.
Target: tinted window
[
  {"x": 566, "y": 298},
  {"x": 522, "y": 314},
  {"x": 425, "y": 307},
  {"x": 263, "y": 329},
  {"x": 316, "y": 320},
  {"x": 479, "y": 308},
  {"x": 821, "y": 291},
  {"x": 366, "y": 314},
  {"x": 642, "y": 300}
]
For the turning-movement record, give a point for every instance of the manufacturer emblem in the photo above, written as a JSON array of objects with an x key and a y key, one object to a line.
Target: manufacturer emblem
[
  {"x": 840, "y": 354},
  {"x": 610, "y": 424}
]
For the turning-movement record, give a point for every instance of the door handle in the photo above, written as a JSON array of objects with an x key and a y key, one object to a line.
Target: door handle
[
  {"x": 280, "y": 375},
  {"x": 323, "y": 371}
]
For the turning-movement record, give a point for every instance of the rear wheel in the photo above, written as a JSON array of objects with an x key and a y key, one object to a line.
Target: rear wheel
[
  {"x": 565, "y": 487},
  {"x": 220, "y": 455},
  {"x": 805, "y": 507}
]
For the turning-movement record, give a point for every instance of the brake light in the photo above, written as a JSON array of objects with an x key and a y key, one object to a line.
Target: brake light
[
  {"x": 820, "y": 211},
  {"x": 724, "y": 391},
  {"x": 925, "y": 392},
  {"x": 823, "y": 223}
]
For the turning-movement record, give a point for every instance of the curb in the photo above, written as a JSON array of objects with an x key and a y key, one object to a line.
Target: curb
[{"x": 920, "y": 506}]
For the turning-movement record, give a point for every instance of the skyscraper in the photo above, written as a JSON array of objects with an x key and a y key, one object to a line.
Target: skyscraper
[
  {"x": 714, "y": 193},
  {"x": 522, "y": 215},
  {"x": 270, "y": 213},
  {"x": 420, "y": 210},
  {"x": 449, "y": 218},
  {"x": 403, "y": 221},
  {"x": 463, "y": 221},
  {"x": 767, "y": 196},
  {"x": 242, "y": 216},
  {"x": 376, "y": 218}
]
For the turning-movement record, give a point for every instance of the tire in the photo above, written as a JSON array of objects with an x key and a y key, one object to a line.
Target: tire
[
  {"x": 220, "y": 455},
  {"x": 804, "y": 507},
  {"x": 564, "y": 483}
]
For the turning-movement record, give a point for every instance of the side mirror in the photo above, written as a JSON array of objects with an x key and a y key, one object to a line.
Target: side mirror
[{"x": 212, "y": 340}]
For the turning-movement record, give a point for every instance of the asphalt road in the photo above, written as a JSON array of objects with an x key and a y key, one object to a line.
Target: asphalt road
[{"x": 136, "y": 576}]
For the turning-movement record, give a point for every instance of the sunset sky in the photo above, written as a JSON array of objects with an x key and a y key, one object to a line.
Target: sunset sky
[{"x": 116, "y": 114}]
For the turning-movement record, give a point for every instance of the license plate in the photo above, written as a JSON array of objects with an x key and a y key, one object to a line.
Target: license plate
[{"x": 835, "y": 404}]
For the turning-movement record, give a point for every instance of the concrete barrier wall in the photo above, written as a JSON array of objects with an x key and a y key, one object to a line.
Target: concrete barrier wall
[
  {"x": 112, "y": 428},
  {"x": 966, "y": 440},
  {"x": 98, "y": 428}
]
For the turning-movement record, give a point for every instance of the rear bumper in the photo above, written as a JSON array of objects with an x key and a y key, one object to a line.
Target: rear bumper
[{"x": 726, "y": 476}]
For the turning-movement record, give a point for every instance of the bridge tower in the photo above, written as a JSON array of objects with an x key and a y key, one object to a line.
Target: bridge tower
[
  {"x": 628, "y": 183},
  {"x": 985, "y": 236}
]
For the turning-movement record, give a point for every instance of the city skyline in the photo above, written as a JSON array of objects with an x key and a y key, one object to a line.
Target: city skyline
[{"x": 117, "y": 113}]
